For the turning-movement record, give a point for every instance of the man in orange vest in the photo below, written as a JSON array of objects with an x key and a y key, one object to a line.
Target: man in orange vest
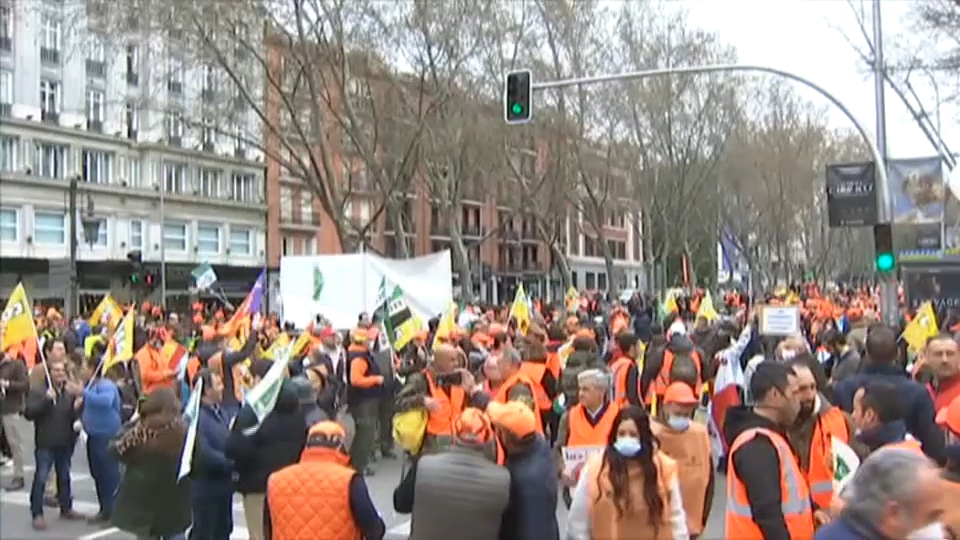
[
  {"x": 364, "y": 388},
  {"x": 767, "y": 494},
  {"x": 321, "y": 496},
  {"x": 626, "y": 375},
  {"x": 516, "y": 386},
  {"x": 818, "y": 422}
]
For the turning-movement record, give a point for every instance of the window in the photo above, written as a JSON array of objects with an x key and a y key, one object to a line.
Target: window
[
  {"x": 208, "y": 136},
  {"x": 6, "y": 27},
  {"x": 242, "y": 187},
  {"x": 49, "y": 228},
  {"x": 49, "y": 96},
  {"x": 241, "y": 241},
  {"x": 136, "y": 234},
  {"x": 133, "y": 64},
  {"x": 285, "y": 246},
  {"x": 173, "y": 127},
  {"x": 95, "y": 107},
  {"x": 310, "y": 246},
  {"x": 174, "y": 177},
  {"x": 208, "y": 183},
  {"x": 9, "y": 153},
  {"x": 240, "y": 143},
  {"x": 97, "y": 166},
  {"x": 9, "y": 225},
  {"x": 286, "y": 202},
  {"x": 49, "y": 160},
  {"x": 6, "y": 87},
  {"x": 98, "y": 50},
  {"x": 175, "y": 236},
  {"x": 131, "y": 120},
  {"x": 208, "y": 238},
  {"x": 102, "y": 239},
  {"x": 52, "y": 33},
  {"x": 306, "y": 205},
  {"x": 209, "y": 79},
  {"x": 133, "y": 171},
  {"x": 175, "y": 75}
]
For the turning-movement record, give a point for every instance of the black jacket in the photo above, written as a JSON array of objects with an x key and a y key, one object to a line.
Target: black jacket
[
  {"x": 753, "y": 463},
  {"x": 53, "y": 421},
  {"x": 277, "y": 444}
]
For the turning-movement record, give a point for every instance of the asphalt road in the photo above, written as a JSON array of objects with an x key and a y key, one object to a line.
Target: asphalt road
[{"x": 15, "y": 513}]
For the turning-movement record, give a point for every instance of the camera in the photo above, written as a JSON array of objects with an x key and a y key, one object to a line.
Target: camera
[{"x": 452, "y": 379}]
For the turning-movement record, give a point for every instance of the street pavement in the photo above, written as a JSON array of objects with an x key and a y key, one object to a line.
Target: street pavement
[{"x": 15, "y": 512}]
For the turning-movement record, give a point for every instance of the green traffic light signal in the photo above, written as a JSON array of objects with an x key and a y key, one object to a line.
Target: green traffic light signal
[
  {"x": 517, "y": 97},
  {"x": 885, "y": 262},
  {"x": 517, "y": 109},
  {"x": 134, "y": 278}
]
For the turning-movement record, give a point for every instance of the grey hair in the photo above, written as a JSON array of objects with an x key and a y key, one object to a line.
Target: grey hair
[
  {"x": 596, "y": 377},
  {"x": 512, "y": 355},
  {"x": 889, "y": 475}
]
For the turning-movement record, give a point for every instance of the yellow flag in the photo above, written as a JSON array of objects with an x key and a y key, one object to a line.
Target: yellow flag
[
  {"x": 706, "y": 310},
  {"x": 282, "y": 341},
  {"x": 446, "y": 326},
  {"x": 670, "y": 305},
  {"x": 921, "y": 328},
  {"x": 108, "y": 313},
  {"x": 572, "y": 300},
  {"x": 16, "y": 322},
  {"x": 520, "y": 310},
  {"x": 301, "y": 344},
  {"x": 120, "y": 347}
]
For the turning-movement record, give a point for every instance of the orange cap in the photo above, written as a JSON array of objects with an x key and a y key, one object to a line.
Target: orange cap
[
  {"x": 681, "y": 394},
  {"x": 472, "y": 426},
  {"x": 949, "y": 416},
  {"x": 513, "y": 416}
]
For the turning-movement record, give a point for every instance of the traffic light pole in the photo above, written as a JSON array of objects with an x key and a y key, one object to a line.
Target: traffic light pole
[
  {"x": 74, "y": 289},
  {"x": 888, "y": 293}
]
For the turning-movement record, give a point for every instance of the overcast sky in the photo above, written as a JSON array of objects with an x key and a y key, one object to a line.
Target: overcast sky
[{"x": 806, "y": 37}]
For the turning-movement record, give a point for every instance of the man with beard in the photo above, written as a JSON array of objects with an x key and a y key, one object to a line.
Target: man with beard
[{"x": 812, "y": 434}]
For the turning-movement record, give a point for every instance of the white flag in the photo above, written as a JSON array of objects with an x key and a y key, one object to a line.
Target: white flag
[
  {"x": 845, "y": 464},
  {"x": 192, "y": 414},
  {"x": 262, "y": 398}
]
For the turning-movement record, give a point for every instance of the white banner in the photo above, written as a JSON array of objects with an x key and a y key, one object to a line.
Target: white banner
[
  {"x": 575, "y": 458},
  {"x": 342, "y": 286}
]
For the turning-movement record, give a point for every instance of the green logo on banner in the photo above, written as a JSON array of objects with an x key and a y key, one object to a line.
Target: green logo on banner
[{"x": 317, "y": 283}]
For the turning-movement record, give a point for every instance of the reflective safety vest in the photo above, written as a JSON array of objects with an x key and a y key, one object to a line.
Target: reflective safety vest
[
  {"x": 620, "y": 368},
  {"x": 795, "y": 504},
  {"x": 503, "y": 392},
  {"x": 831, "y": 423},
  {"x": 440, "y": 421},
  {"x": 907, "y": 444},
  {"x": 536, "y": 371},
  {"x": 582, "y": 433},
  {"x": 658, "y": 386}
]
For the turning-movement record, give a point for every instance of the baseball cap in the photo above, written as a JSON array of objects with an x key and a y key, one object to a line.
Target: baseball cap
[
  {"x": 327, "y": 332},
  {"x": 680, "y": 393},
  {"x": 472, "y": 426},
  {"x": 514, "y": 417},
  {"x": 949, "y": 416}
]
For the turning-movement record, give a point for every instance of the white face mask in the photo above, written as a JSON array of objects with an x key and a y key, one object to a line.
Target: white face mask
[{"x": 934, "y": 531}]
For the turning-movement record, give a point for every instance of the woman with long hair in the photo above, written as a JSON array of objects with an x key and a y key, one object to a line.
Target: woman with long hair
[
  {"x": 151, "y": 503},
  {"x": 630, "y": 490}
]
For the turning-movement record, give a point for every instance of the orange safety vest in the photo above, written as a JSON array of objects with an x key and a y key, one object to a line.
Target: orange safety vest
[
  {"x": 440, "y": 421},
  {"x": 658, "y": 386},
  {"x": 582, "y": 433},
  {"x": 311, "y": 500},
  {"x": 215, "y": 363},
  {"x": 620, "y": 368},
  {"x": 536, "y": 371},
  {"x": 907, "y": 444},
  {"x": 501, "y": 454},
  {"x": 831, "y": 423},
  {"x": 795, "y": 504},
  {"x": 503, "y": 392}
]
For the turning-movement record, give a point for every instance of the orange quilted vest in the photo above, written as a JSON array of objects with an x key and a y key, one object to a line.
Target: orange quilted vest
[{"x": 311, "y": 499}]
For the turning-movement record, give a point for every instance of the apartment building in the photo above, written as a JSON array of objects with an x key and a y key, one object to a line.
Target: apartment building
[{"x": 120, "y": 116}]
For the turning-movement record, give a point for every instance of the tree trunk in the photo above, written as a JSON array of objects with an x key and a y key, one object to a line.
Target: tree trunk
[
  {"x": 563, "y": 266},
  {"x": 460, "y": 259},
  {"x": 399, "y": 230}
]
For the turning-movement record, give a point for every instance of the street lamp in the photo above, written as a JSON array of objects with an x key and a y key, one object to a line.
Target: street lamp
[
  {"x": 91, "y": 224},
  {"x": 91, "y": 230}
]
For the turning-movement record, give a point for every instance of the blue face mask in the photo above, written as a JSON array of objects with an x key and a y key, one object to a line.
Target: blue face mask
[
  {"x": 678, "y": 423},
  {"x": 628, "y": 446}
]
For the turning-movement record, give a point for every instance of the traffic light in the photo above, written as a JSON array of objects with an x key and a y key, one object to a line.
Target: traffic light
[
  {"x": 134, "y": 275},
  {"x": 517, "y": 97},
  {"x": 885, "y": 256}
]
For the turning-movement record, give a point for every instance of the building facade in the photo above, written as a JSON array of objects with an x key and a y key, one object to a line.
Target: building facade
[{"x": 117, "y": 115}]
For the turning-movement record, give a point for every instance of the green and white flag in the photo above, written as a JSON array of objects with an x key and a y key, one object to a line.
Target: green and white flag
[
  {"x": 262, "y": 398},
  {"x": 399, "y": 323},
  {"x": 845, "y": 464},
  {"x": 204, "y": 276},
  {"x": 192, "y": 414}
]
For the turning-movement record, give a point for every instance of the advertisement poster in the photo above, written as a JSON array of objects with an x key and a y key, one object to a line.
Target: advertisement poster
[
  {"x": 851, "y": 194},
  {"x": 920, "y": 200},
  {"x": 938, "y": 283}
]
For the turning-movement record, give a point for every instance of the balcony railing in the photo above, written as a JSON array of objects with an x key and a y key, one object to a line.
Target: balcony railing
[
  {"x": 472, "y": 231},
  {"x": 96, "y": 68},
  {"x": 312, "y": 220},
  {"x": 49, "y": 56},
  {"x": 174, "y": 140},
  {"x": 175, "y": 87},
  {"x": 50, "y": 117},
  {"x": 509, "y": 235}
]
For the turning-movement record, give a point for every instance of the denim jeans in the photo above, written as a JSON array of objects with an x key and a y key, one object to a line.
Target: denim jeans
[
  {"x": 47, "y": 459},
  {"x": 105, "y": 470}
]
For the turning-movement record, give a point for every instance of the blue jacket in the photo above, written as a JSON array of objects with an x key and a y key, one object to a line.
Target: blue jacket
[
  {"x": 212, "y": 472},
  {"x": 532, "y": 511},
  {"x": 101, "y": 414},
  {"x": 919, "y": 412}
]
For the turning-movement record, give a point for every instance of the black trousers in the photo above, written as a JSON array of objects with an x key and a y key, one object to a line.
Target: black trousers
[{"x": 212, "y": 517}]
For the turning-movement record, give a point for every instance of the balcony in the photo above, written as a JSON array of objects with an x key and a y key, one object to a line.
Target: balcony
[
  {"x": 174, "y": 140},
  {"x": 95, "y": 126},
  {"x": 50, "y": 117},
  {"x": 133, "y": 79},
  {"x": 300, "y": 222},
  {"x": 175, "y": 87},
  {"x": 240, "y": 152},
  {"x": 6, "y": 43},
  {"x": 50, "y": 57},
  {"x": 508, "y": 234},
  {"x": 6, "y": 110},
  {"x": 131, "y": 134},
  {"x": 208, "y": 147},
  {"x": 472, "y": 231},
  {"x": 96, "y": 68}
]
